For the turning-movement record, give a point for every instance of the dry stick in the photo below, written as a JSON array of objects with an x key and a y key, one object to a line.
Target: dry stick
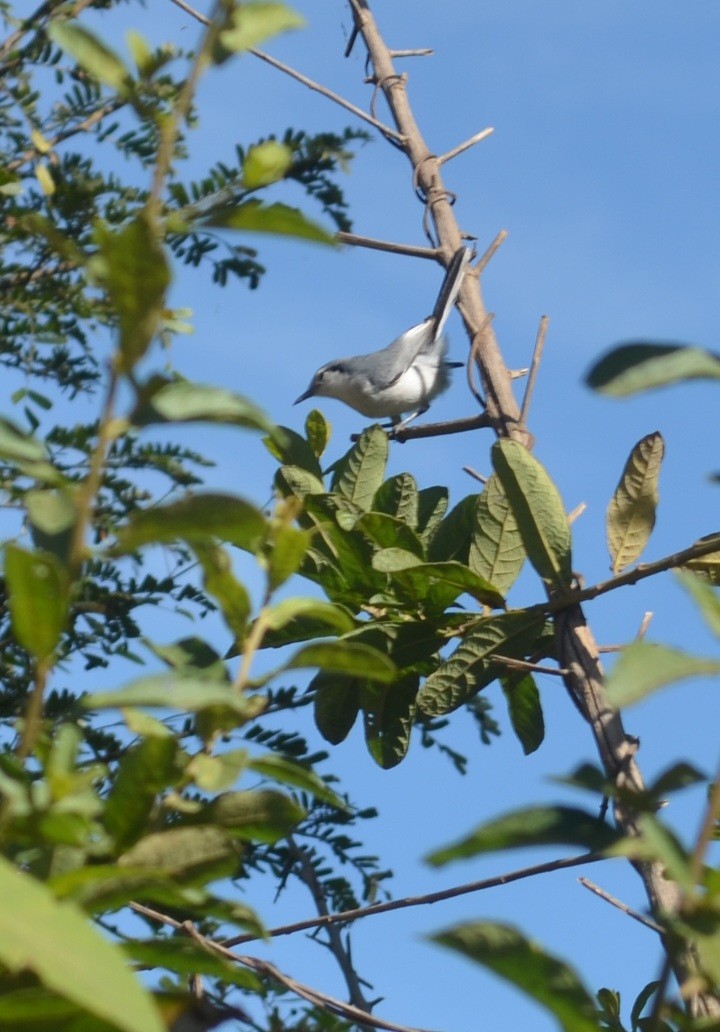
[
  {"x": 413, "y": 250},
  {"x": 648, "y": 922},
  {"x": 576, "y": 648},
  {"x": 462, "y": 147},
  {"x": 450, "y": 426},
  {"x": 422, "y": 52},
  {"x": 496, "y": 243},
  {"x": 521, "y": 664},
  {"x": 415, "y": 901},
  {"x": 643, "y": 628},
  {"x": 534, "y": 366},
  {"x": 310, "y": 83},
  {"x": 577, "y": 512}
]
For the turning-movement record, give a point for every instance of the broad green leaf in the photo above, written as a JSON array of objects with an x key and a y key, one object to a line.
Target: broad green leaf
[
  {"x": 174, "y": 692},
  {"x": 639, "y": 366},
  {"x": 432, "y": 506},
  {"x": 291, "y": 449},
  {"x": 185, "y": 957},
  {"x": 70, "y": 956},
  {"x": 27, "y": 453},
  {"x": 451, "y": 537},
  {"x": 35, "y": 1009},
  {"x": 298, "y": 481},
  {"x": 255, "y": 217},
  {"x": 317, "y": 430},
  {"x": 216, "y": 773},
  {"x": 90, "y": 53},
  {"x": 38, "y": 591},
  {"x": 185, "y": 853},
  {"x": 288, "y": 772},
  {"x": 534, "y": 826},
  {"x": 359, "y": 474},
  {"x": 388, "y": 711},
  {"x": 220, "y": 582},
  {"x": 706, "y": 567},
  {"x": 707, "y": 599},
  {"x": 471, "y": 666},
  {"x": 134, "y": 270},
  {"x": 52, "y": 516},
  {"x": 45, "y": 179},
  {"x": 336, "y": 705},
  {"x": 252, "y": 23},
  {"x": 265, "y": 163},
  {"x": 284, "y": 556},
  {"x": 549, "y": 981},
  {"x": 640, "y": 1002},
  {"x": 144, "y": 771},
  {"x": 345, "y": 657},
  {"x": 390, "y": 532},
  {"x": 324, "y": 616},
  {"x": 496, "y": 548},
  {"x": 642, "y": 668},
  {"x": 196, "y": 518},
  {"x": 526, "y": 715},
  {"x": 395, "y": 560},
  {"x": 262, "y": 815},
  {"x": 631, "y": 513},
  {"x": 398, "y": 496},
  {"x": 162, "y": 400},
  {"x": 538, "y": 510},
  {"x": 423, "y": 576}
]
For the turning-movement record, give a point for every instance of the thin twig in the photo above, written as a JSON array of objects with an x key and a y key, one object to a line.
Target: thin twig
[
  {"x": 421, "y": 52},
  {"x": 647, "y": 921},
  {"x": 517, "y": 374},
  {"x": 310, "y": 83},
  {"x": 426, "y": 900},
  {"x": 577, "y": 512},
  {"x": 474, "y": 473},
  {"x": 534, "y": 366},
  {"x": 521, "y": 664},
  {"x": 466, "y": 145},
  {"x": 451, "y": 426},
  {"x": 414, "y": 250},
  {"x": 496, "y": 243},
  {"x": 643, "y": 628}
]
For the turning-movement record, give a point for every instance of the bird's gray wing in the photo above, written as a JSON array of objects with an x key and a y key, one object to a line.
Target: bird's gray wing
[{"x": 387, "y": 366}]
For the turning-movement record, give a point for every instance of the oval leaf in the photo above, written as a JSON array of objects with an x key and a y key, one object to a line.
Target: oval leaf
[
  {"x": 345, "y": 657},
  {"x": 256, "y": 217},
  {"x": 631, "y": 513},
  {"x": 198, "y": 517},
  {"x": 359, "y": 474},
  {"x": 639, "y": 366},
  {"x": 642, "y": 668},
  {"x": 496, "y": 548},
  {"x": 38, "y": 589},
  {"x": 90, "y": 53}
]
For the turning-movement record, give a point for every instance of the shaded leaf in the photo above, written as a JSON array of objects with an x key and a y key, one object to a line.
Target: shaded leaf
[
  {"x": 203, "y": 851},
  {"x": 656, "y": 842},
  {"x": 345, "y": 657},
  {"x": 526, "y": 715},
  {"x": 299, "y": 482},
  {"x": 255, "y": 217},
  {"x": 642, "y": 668},
  {"x": 432, "y": 506},
  {"x": 707, "y": 599},
  {"x": 285, "y": 554},
  {"x": 162, "y": 400},
  {"x": 388, "y": 531},
  {"x": 534, "y": 826},
  {"x": 38, "y": 588},
  {"x": 324, "y": 617},
  {"x": 706, "y": 567},
  {"x": 185, "y": 957},
  {"x": 471, "y": 666},
  {"x": 639, "y": 366},
  {"x": 262, "y": 815},
  {"x": 538, "y": 510},
  {"x": 220, "y": 582},
  {"x": 451, "y": 537},
  {"x": 678, "y": 776},
  {"x": 422, "y": 577},
  {"x": 388, "y": 711},
  {"x": 196, "y": 518},
  {"x": 549, "y": 981},
  {"x": 293, "y": 450},
  {"x": 69, "y": 957},
  {"x": 336, "y": 705},
  {"x": 398, "y": 496},
  {"x": 359, "y": 474},
  {"x": 631, "y": 513},
  {"x": 496, "y": 548},
  {"x": 144, "y": 771}
]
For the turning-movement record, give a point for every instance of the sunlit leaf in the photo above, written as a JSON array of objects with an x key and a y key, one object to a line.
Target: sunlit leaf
[
  {"x": 288, "y": 772},
  {"x": 360, "y": 473},
  {"x": 640, "y": 366},
  {"x": 178, "y": 401},
  {"x": 706, "y": 598},
  {"x": 255, "y": 217},
  {"x": 265, "y": 163},
  {"x": 643, "y": 667},
  {"x": 196, "y": 518},
  {"x": 91, "y": 53},
  {"x": 38, "y": 592},
  {"x": 252, "y": 23},
  {"x": 496, "y": 548},
  {"x": 52, "y": 516},
  {"x": 202, "y": 851},
  {"x": 631, "y": 514},
  {"x": 262, "y": 815},
  {"x": 345, "y": 657}
]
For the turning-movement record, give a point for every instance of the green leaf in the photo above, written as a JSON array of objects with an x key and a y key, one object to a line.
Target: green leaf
[
  {"x": 288, "y": 772},
  {"x": 336, "y": 705},
  {"x": 199, "y": 853},
  {"x": 216, "y": 773},
  {"x": 262, "y": 815},
  {"x": 538, "y": 510},
  {"x": 303, "y": 613},
  {"x": 91, "y": 54},
  {"x": 549, "y": 981},
  {"x": 422, "y": 577},
  {"x": 345, "y": 657},
  {"x": 642, "y": 668},
  {"x": 678, "y": 776},
  {"x": 640, "y": 366},
  {"x": 388, "y": 711},
  {"x": 706, "y": 598},
  {"x": 255, "y": 217},
  {"x": 293, "y": 450},
  {"x": 398, "y": 496},
  {"x": 395, "y": 560},
  {"x": 471, "y": 666},
  {"x": 496, "y": 548},
  {"x": 134, "y": 270},
  {"x": 177, "y": 692},
  {"x": 706, "y": 567},
  {"x": 631, "y": 513},
  {"x": 27, "y": 453},
  {"x": 38, "y": 590},
  {"x": 144, "y": 771},
  {"x": 656, "y": 842},
  {"x": 220, "y": 582},
  {"x": 162, "y": 400},
  {"x": 285, "y": 554},
  {"x": 185, "y": 957},
  {"x": 52, "y": 516},
  {"x": 196, "y": 518},
  {"x": 388, "y": 531},
  {"x": 317, "y": 430},
  {"x": 299, "y": 482},
  {"x": 534, "y": 826},
  {"x": 252, "y": 23},
  {"x": 451, "y": 537},
  {"x": 526, "y": 715},
  {"x": 265, "y": 163},
  {"x": 69, "y": 957},
  {"x": 359, "y": 474},
  {"x": 432, "y": 506}
]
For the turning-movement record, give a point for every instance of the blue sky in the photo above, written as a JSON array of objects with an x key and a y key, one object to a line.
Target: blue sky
[{"x": 603, "y": 168}]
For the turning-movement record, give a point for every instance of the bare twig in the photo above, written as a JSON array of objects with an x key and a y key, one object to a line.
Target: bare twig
[
  {"x": 474, "y": 473},
  {"x": 415, "y": 251},
  {"x": 452, "y": 426},
  {"x": 534, "y": 366},
  {"x": 643, "y": 628},
  {"x": 485, "y": 258},
  {"x": 422, "y": 52},
  {"x": 577, "y": 512},
  {"x": 648, "y": 922},
  {"x": 466, "y": 145},
  {"x": 521, "y": 664}
]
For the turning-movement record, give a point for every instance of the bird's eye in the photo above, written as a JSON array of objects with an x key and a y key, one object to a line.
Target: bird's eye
[{"x": 320, "y": 374}]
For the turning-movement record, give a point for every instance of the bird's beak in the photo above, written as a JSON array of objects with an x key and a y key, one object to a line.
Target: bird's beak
[{"x": 304, "y": 396}]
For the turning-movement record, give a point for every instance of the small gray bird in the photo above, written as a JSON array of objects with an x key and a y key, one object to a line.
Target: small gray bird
[{"x": 407, "y": 374}]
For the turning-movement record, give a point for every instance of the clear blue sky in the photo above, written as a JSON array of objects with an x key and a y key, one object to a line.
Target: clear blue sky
[{"x": 604, "y": 168}]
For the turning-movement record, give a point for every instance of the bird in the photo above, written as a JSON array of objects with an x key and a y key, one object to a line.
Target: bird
[{"x": 403, "y": 377}]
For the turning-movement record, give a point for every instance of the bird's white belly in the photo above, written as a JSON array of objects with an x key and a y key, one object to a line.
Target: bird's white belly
[{"x": 417, "y": 386}]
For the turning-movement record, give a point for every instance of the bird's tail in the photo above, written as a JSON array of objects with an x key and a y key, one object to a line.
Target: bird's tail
[{"x": 450, "y": 288}]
